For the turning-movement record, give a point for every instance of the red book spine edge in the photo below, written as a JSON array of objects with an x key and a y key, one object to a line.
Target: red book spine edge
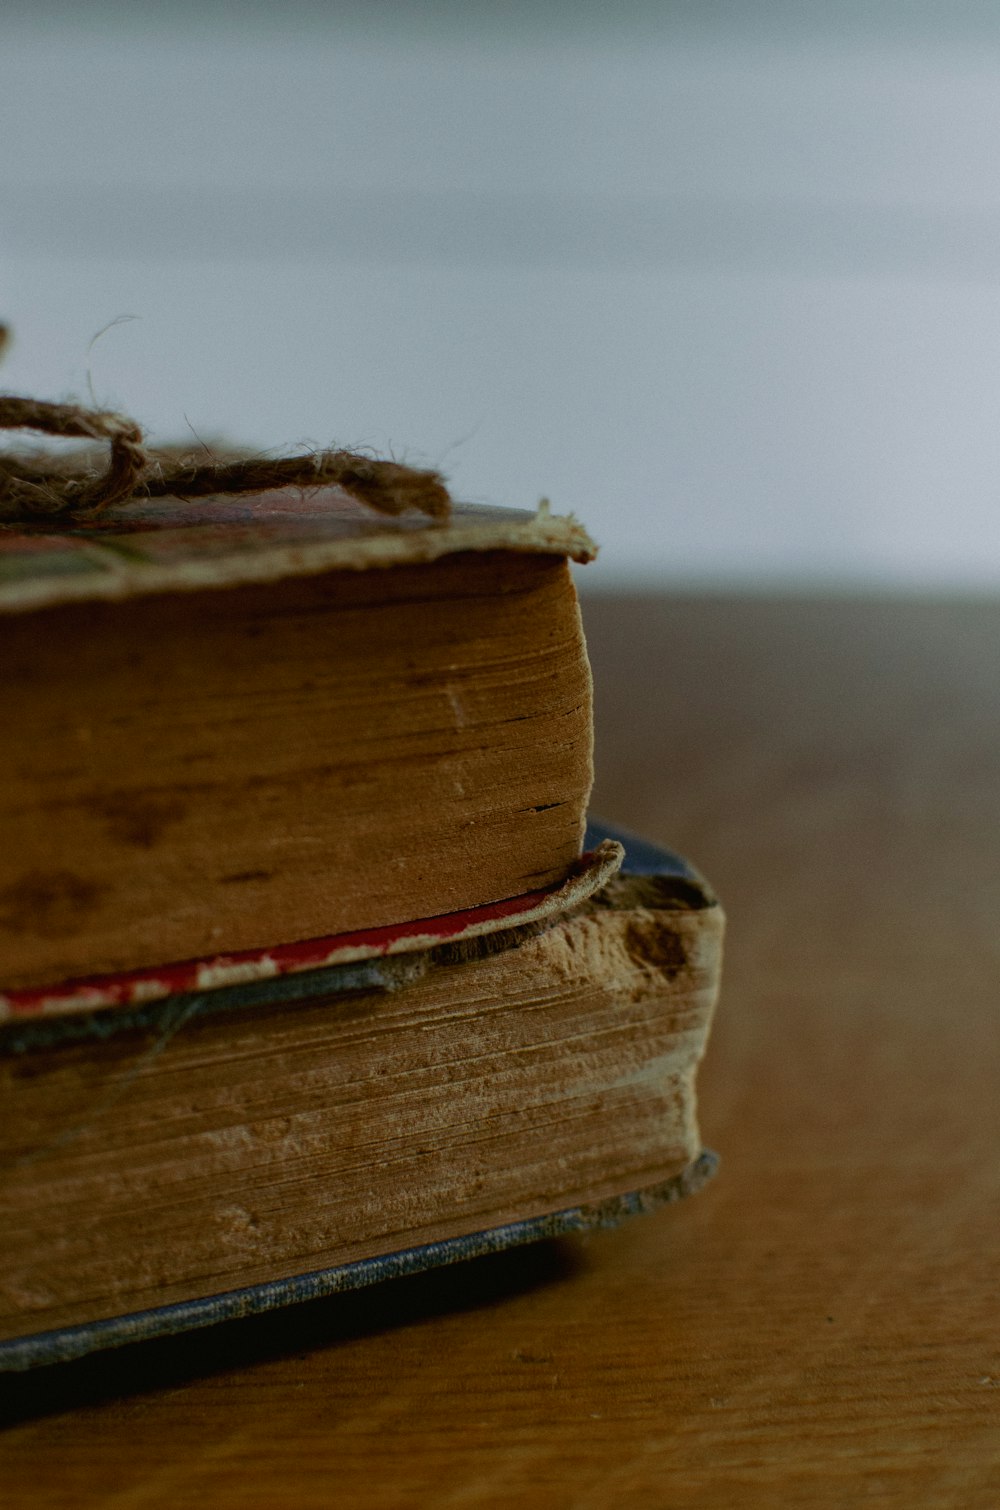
[{"x": 132, "y": 988}]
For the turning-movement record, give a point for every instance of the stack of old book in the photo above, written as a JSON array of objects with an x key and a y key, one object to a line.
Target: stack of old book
[{"x": 309, "y": 973}]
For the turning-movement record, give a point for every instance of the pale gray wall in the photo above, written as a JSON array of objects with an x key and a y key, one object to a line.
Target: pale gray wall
[{"x": 724, "y": 279}]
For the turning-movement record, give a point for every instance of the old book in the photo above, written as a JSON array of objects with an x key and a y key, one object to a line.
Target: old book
[
  {"x": 223, "y": 1151},
  {"x": 236, "y": 724}
]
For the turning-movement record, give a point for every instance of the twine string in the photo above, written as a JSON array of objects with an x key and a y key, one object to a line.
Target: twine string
[{"x": 34, "y": 488}]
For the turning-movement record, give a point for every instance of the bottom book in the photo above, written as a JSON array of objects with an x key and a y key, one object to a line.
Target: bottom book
[{"x": 225, "y": 1151}]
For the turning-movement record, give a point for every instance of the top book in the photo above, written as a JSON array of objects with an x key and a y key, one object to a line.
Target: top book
[{"x": 237, "y": 723}]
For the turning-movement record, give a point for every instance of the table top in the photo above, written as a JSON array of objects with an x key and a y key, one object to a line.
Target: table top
[{"x": 818, "y": 1327}]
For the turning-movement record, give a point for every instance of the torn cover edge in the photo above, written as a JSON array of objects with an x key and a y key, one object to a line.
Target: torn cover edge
[{"x": 218, "y": 542}]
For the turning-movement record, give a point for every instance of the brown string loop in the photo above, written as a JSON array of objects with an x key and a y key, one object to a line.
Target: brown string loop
[
  {"x": 30, "y": 490},
  {"x": 33, "y": 488}
]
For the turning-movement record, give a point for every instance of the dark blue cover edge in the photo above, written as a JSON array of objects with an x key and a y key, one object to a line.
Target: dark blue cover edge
[
  {"x": 61, "y": 1346},
  {"x": 642, "y": 858}
]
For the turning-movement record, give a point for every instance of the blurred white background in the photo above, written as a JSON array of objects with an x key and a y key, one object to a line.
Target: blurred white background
[{"x": 723, "y": 279}]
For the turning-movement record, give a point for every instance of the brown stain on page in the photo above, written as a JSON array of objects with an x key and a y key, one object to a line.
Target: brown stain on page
[
  {"x": 49, "y": 904},
  {"x": 138, "y": 818}
]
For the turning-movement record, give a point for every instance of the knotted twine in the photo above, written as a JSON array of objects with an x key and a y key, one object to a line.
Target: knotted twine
[{"x": 36, "y": 488}]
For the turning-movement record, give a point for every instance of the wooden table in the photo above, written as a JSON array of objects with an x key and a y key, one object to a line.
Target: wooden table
[{"x": 820, "y": 1326}]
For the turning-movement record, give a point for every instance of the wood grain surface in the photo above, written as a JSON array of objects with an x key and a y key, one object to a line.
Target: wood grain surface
[{"x": 820, "y": 1326}]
